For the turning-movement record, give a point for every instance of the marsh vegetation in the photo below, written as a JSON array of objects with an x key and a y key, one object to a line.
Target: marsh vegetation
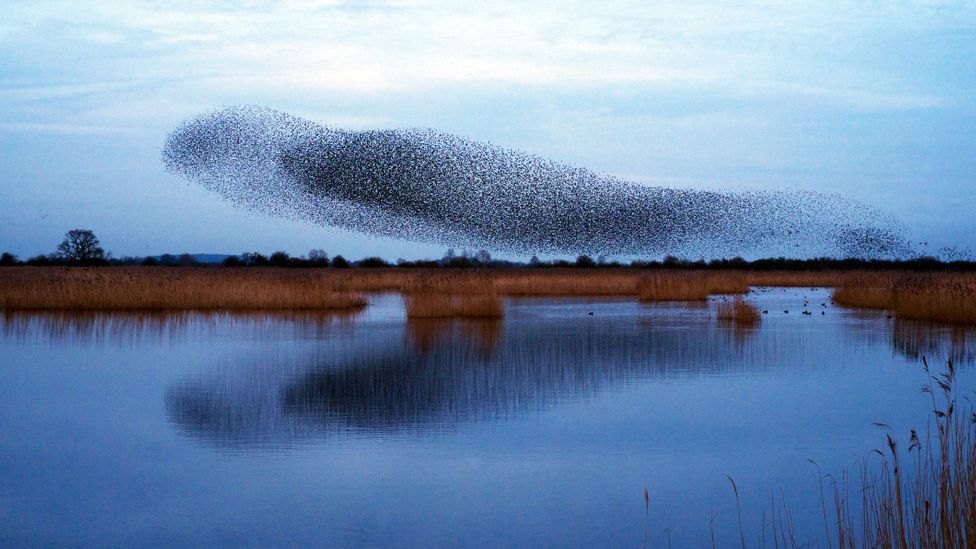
[{"x": 439, "y": 292}]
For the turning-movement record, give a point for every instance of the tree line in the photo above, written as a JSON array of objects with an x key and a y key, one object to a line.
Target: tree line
[{"x": 80, "y": 247}]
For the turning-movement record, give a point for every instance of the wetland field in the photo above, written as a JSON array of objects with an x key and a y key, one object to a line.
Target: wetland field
[{"x": 391, "y": 407}]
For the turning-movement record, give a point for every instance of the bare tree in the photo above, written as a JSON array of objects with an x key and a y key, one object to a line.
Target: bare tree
[
  {"x": 81, "y": 245},
  {"x": 318, "y": 257}
]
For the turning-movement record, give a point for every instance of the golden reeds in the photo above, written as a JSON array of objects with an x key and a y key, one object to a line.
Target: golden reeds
[
  {"x": 928, "y": 502},
  {"x": 671, "y": 286},
  {"x": 738, "y": 310},
  {"x": 801, "y": 279},
  {"x": 677, "y": 285},
  {"x": 922, "y": 496},
  {"x": 54, "y": 288},
  {"x": 440, "y": 295},
  {"x": 942, "y": 297},
  {"x": 553, "y": 282},
  {"x": 947, "y": 297}
]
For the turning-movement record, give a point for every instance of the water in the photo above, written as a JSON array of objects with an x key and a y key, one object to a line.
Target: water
[{"x": 369, "y": 430}]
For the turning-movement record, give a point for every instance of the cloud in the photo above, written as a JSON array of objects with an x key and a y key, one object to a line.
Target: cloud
[{"x": 683, "y": 91}]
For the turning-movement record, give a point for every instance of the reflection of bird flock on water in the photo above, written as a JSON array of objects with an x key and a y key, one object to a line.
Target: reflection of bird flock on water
[{"x": 435, "y": 187}]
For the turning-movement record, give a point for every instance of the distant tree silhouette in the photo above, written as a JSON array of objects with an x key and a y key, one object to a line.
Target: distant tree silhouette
[
  {"x": 232, "y": 261},
  {"x": 254, "y": 259},
  {"x": 279, "y": 259},
  {"x": 150, "y": 261},
  {"x": 340, "y": 262},
  {"x": 373, "y": 262},
  {"x": 585, "y": 261},
  {"x": 43, "y": 260},
  {"x": 8, "y": 259},
  {"x": 81, "y": 246},
  {"x": 187, "y": 260},
  {"x": 318, "y": 258}
]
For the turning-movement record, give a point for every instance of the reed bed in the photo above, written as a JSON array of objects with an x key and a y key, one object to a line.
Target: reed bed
[
  {"x": 567, "y": 282},
  {"x": 738, "y": 310},
  {"x": 49, "y": 288},
  {"x": 689, "y": 285},
  {"x": 665, "y": 286},
  {"x": 942, "y": 297},
  {"x": 440, "y": 295},
  {"x": 802, "y": 279},
  {"x": 947, "y": 298}
]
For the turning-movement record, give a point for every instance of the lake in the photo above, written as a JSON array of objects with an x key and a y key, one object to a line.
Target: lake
[{"x": 368, "y": 429}]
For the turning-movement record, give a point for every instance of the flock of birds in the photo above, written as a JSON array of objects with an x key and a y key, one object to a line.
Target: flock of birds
[{"x": 434, "y": 187}]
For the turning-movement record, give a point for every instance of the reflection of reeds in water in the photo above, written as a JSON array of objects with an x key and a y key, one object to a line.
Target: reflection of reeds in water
[
  {"x": 426, "y": 334},
  {"x": 738, "y": 310},
  {"x": 919, "y": 338},
  {"x": 166, "y": 289},
  {"x": 436, "y": 305},
  {"x": 93, "y": 326},
  {"x": 442, "y": 372}
]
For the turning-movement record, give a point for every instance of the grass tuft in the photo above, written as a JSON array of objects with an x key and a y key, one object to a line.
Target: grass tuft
[{"x": 738, "y": 310}]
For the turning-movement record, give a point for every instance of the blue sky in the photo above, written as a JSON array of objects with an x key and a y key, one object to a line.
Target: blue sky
[{"x": 874, "y": 101}]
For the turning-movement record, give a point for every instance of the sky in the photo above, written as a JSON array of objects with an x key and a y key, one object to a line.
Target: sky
[{"x": 874, "y": 101}]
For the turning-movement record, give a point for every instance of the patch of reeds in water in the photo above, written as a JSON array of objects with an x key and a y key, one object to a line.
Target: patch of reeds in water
[
  {"x": 453, "y": 295},
  {"x": 738, "y": 310}
]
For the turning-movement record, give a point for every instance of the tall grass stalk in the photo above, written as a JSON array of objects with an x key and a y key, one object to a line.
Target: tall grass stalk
[{"x": 920, "y": 497}]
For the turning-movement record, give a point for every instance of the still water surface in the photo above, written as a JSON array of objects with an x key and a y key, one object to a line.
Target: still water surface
[{"x": 542, "y": 429}]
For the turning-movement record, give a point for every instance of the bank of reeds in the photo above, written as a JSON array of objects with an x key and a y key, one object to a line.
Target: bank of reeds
[
  {"x": 31, "y": 288},
  {"x": 945, "y": 296},
  {"x": 452, "y": 295},
  {"x": 942, "y": 297},
  {"x": 689, "y": 285},
  {"x": 803, "y": 279},
  {"x": 738, "y": 310},
  {"x": 566, "y": 282}
]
